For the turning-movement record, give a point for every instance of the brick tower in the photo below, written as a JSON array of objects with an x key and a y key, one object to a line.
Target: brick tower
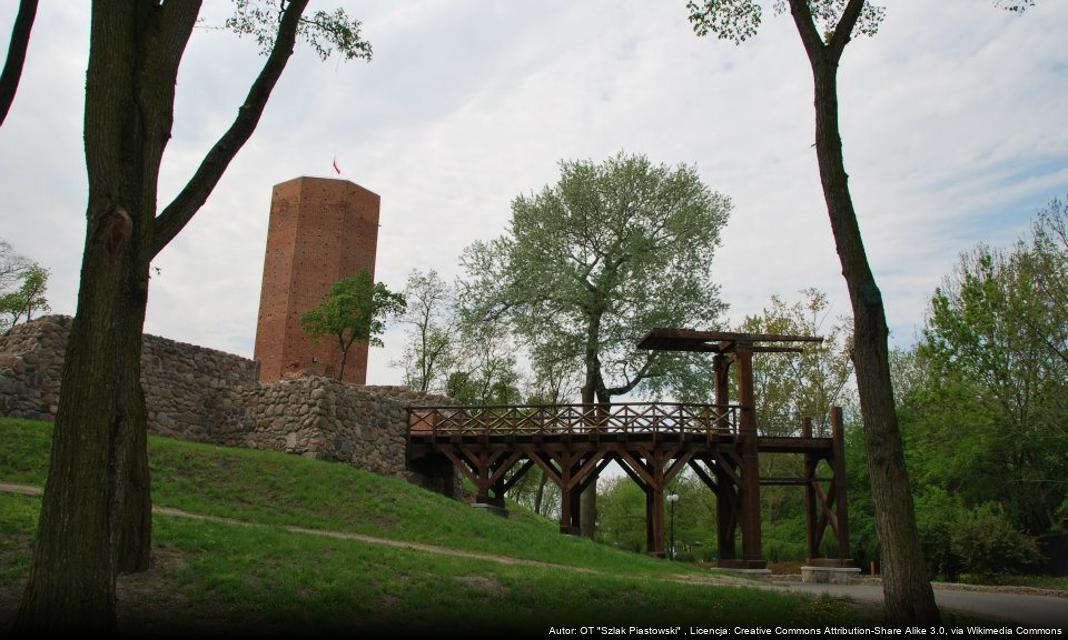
[{"x": 321, "y": 230}]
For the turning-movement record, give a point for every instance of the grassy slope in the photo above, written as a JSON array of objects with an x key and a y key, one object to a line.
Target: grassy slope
[{"x": 219, "y": 574}]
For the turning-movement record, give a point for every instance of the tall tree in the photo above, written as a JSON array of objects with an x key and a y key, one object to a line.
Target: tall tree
[
  {"x": 16, "y": 55},
  {"x": 826, "y": 27},
  {"x": 96, "y": 511},
  {"x": 431, "y": 349},
  {"x": 590, "y": 263},
  {"x": 355, "y": 309},
  {"x": 995, "y": 388}
]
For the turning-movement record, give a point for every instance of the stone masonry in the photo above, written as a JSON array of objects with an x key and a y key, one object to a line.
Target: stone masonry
[
  {"x": 211, "y": 396},
  {"x": 320, "y": 230}
]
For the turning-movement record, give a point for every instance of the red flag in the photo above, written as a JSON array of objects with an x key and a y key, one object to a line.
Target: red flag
[{"x": 337, "y": 169}]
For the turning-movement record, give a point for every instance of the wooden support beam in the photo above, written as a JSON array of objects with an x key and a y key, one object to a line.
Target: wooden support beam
[
  {"x": 628, "y": 460},
  {"x": 584, "y": 469},
  {"x": 518, "y": 475},
  {"x": 678, "y": 465},
  {"x": 461, "y": 465},
  {"x": 838, "y": 466},
  {"x": 592, "y": 477},
  {"x": 503, "y": 467},
  {"x": 752, "y": 551},
  {"x": 810, "y": 464},
  {"x": 728, "y": 468},
  {"x": 702, "y": 476}
]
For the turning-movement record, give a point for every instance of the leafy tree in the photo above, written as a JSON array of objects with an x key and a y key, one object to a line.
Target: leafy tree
[
  {"x": 792, "y": 386},
  {"x": 96, "y": 511},
  {"x": 485, "y": 372},
  {"x": 995, "y": 394},
  {"x": 22, "y": 288},
  {"x": 1046, "y": 262},
  {"x": 29, "y": 298},
  {"x": 622, "y": 517},
  {"x": 431, "y": 349},
  {"x": 354, "y": 309},
  {"x": 590, "y": 263},
  {"x": 16, "y": 55},
  {"x": 13, "y": 266},
  {"x": 826, "y": 27}
]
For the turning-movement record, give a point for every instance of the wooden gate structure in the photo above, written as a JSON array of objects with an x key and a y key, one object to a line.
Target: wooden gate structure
[{"x": 494, "y": 446}]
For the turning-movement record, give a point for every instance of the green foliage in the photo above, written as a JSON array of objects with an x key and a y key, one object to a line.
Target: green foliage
[
  {"x": 789, "y": 387},
  {"x": 994, "y": 397},
  {"x": 987, "y": 543},
  {"x": 621, "y": 517},
  {"x": 590, "y": 263},
  {"x": 485, "y": 369},
  {"x": 354, "y": 309},
  {"x": 739, "y": 20},
  {"x": 431, "y": 351},
  {"x": 324, "y": 31},
  {"x": 23, "y": 284}
]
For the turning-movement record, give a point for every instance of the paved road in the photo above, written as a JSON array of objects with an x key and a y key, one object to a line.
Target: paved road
[{"x": 1027, "y": 609}]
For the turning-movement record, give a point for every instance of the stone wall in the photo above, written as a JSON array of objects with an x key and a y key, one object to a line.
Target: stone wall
[{"x": 211, "y": 396}]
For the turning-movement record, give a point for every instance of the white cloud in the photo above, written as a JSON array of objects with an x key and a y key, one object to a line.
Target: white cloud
[{"x": 952, "y": 125}]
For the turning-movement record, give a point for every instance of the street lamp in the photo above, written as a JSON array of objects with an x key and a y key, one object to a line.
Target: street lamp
[{"x": 673, "y": 498}]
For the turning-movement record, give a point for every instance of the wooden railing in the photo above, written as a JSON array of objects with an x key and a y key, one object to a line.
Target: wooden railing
[{"x": 529, "y": 420}]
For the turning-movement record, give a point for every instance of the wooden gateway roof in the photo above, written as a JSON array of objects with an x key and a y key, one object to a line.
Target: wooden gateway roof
[{"x": 665, "y": 339}]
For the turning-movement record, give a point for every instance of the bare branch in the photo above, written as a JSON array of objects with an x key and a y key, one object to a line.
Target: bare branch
[
  {"x": 179, "y": 212},
  {"x": 16, "y": 55}
]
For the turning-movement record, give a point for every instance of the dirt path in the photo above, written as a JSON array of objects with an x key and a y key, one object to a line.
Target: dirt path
[
  {"x": 30, "y": 490},
  {"x": 1029, "y": 609}
]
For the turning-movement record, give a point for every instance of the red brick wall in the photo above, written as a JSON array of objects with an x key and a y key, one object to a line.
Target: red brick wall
[{"x": 321, "y": 230}]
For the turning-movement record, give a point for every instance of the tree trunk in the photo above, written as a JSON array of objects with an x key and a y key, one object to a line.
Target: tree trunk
[
  {"x": 588, "y": 498},
  {"x": 344, "y": 356},
  {"x": 96, "y": 510},
  {"x": 907, "y": 591},
  {"x": 539, "y": 495}
]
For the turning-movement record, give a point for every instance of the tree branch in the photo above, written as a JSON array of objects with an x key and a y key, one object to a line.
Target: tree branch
[
  {"x": 16, "y": 55},
  {"x": 179, "y": 212},
  {"x": 633, "y": 382},
  {"x": 844, "y": 31},
  {"x": 810, "y": 37}
]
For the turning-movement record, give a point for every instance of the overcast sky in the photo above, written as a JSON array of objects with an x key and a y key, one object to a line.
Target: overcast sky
[{"x": 953, "y": 121}]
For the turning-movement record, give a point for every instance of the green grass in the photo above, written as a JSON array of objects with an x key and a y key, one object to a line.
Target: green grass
[
  {"x": 268, "y": 487},
  {"x": 258, "y": 579},
  {"x": 216, "y": 576}
]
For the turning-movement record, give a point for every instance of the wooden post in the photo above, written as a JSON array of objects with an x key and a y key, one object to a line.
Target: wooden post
[
  {"x": 566, "y": 508},
  {"x": 655, "y": 524},
  {"x": 725, "y": 517},
  {"x": 747, "y": 440},
  {"x": 721, "y": 368},
  {"x": 576, "y": 511},
  {"x": 810, "y": 492},
  {"x": 838, "y": 465}
]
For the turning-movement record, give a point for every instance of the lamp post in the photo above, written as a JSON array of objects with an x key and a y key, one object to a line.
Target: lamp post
[{"x": 673, "y": 498}]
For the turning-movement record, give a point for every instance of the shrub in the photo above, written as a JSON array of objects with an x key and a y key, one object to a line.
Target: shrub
[{"x": 985, "y": 543}]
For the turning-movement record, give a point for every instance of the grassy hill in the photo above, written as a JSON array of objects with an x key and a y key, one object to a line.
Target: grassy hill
[{"x": 258, "y": 575}]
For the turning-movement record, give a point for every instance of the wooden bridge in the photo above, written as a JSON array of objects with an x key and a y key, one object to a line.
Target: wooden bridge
[{"x": 495, "y": 446}]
